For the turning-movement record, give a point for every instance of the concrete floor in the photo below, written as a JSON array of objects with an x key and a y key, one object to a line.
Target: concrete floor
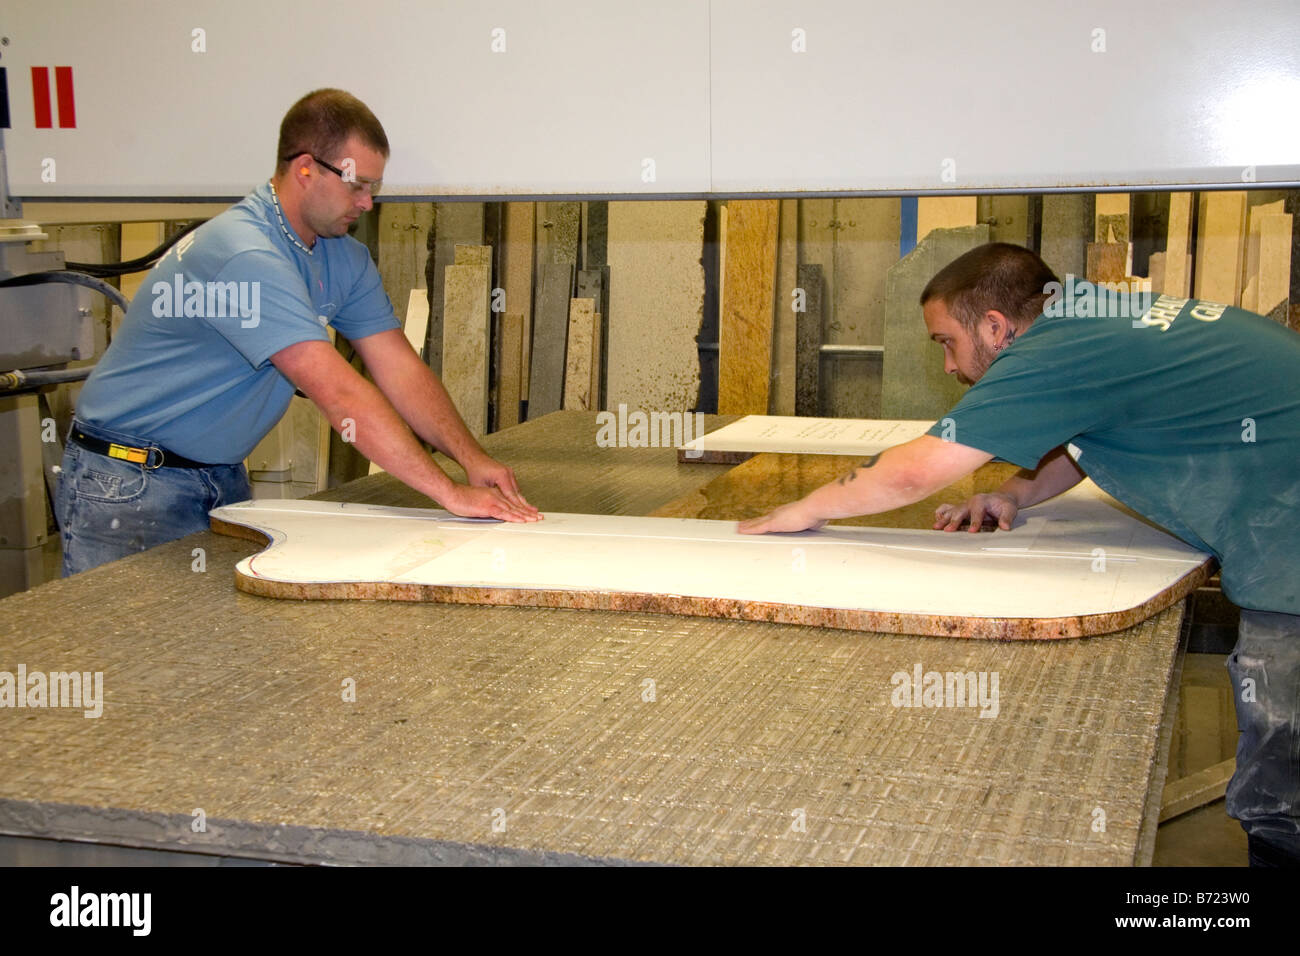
[
  {"x": 1205, "y": 733},
  {"x": 1204, "y": 837}
]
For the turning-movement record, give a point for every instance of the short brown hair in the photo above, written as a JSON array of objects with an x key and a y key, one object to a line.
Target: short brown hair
[
  {"x": 1011, "y": 279},
  {"x": 321, "y": 122}
]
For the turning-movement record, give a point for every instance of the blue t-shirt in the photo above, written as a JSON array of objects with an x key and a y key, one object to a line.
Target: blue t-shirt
[
  {"x": 1189, "y": 414},
  {"x": 190, "y": 367}
]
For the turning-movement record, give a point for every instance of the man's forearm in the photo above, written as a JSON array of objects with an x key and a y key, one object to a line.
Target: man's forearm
[
  {"x": 378, "y": 432},
  {"x": 897, "y": 477},
  {"x": 870, "y": 488},
  {"x": 1056, "y": 473},
  {"x": 429, "y": 410}
]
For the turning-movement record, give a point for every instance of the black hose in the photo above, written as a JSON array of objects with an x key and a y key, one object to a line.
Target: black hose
[
  {"x": 108, "y": 270},
  {"x": 72, "y": 278},
  {"x": 20, "y": 379}
]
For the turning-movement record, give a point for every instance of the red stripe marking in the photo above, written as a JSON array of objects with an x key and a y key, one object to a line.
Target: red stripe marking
[
  {"x": 67, "y": 105},
  {"x": 41, "y": 96}
]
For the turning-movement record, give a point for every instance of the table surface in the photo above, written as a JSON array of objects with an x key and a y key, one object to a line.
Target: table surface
[{"x": 535, "y": 735}]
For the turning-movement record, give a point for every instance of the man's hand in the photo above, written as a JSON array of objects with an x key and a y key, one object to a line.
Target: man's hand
[
  {"x": 485, "y": 472},
  {"x": 485, "y": 503},
  {"x": 794, "y": 516},
  {"x": 996, "y": 508}
]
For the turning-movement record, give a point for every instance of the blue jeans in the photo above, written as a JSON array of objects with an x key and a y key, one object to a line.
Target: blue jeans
[
  {"x": 1265, "y": 790},
  {"x": 108, "y": 508}
]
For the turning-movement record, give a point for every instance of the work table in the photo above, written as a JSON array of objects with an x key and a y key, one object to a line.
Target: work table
[{"x": 539, "y": 735}]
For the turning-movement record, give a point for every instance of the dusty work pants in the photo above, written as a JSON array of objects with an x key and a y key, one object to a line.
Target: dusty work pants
[
  {"x": 1264, "y": 793},
  {"x": 108, "y": 508}
]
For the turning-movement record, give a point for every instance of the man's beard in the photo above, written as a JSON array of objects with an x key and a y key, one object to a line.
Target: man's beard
[{"x": 982, "y": 358}]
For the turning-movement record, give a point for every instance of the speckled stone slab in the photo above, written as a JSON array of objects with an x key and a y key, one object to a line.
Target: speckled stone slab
[
  {"x": 655, "y": 302},
  {"x": 578, "y": 355},
  {"x": 465, "y": 340},
  {"x": 1079, "y": 565}
]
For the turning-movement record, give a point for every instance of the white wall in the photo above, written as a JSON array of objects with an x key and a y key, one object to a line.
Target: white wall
[{"x": 886, "y": 96}]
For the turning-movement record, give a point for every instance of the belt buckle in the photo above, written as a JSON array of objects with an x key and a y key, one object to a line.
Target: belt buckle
[{"x": 149, "y": 453}]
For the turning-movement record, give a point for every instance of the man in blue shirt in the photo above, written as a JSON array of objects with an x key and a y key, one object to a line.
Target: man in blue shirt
[
  {"x": 1186, "y": 411},
  {"x": 224, "y": 328}
]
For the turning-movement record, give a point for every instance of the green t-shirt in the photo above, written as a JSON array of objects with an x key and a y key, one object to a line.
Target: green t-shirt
[{"x": 1190, "y": 415}]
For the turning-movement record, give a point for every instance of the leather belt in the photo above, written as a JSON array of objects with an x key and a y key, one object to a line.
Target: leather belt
[{"x": 151, "y": 456}]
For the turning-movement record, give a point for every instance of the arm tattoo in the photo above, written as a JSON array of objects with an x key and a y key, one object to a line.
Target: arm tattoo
[{"x": 854, "y": 473}]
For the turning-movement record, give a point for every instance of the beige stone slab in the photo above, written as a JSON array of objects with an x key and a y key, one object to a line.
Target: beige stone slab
[
  {"x": 467, "y": 255},
  {"x": 944, "y": 212},
  {"x": 517, "y": 256},
  {"x": 1250, "y": 294},
  {"x": 1156, "y": 271},
  {"x": 465, "y": 342},
  {"x": 1274, "y": 262},
  {"x": 746, "y": 307},
  {"x": 865, "y": 248},
  {"x": 416, "y": 325},
  {"x": 656, "y": 303},
  {"x": 914, "y": 384},
  {"x": 1112, "y": 216},
  {"x": 558, "y": 225},
  {"x": 557, "y": 229},
  {"x": 592, "y": 284},
  {"x": 578, "y": 355},
  {"x": 403, "y": 247},
  {"x": 1221, "y": 231},
  {"x": 1106, "y": 261},
  {"x": 1067, "y": 226},
  {"x": 402, "y": 238},
  {"x": 454, "y": 223},
  {"x": 818, "y": 229},
  {"x": 510, "y": 372},
  {"x": 597, "y": 352},
  {"x": 1178, "y": 256},
  {"x": 781, "y": 400},
  {"x": 808, "y": 342},
  {"x": 1113, "y": 204}
]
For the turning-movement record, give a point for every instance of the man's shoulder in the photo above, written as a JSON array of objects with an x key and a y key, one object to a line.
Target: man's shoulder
[
  {"x": 239, "y": 233},
  {"x": 244, "y": 226}
]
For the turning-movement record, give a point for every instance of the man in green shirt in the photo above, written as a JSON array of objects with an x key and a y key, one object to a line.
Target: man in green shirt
[{"x": 1187, "y": 411}]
